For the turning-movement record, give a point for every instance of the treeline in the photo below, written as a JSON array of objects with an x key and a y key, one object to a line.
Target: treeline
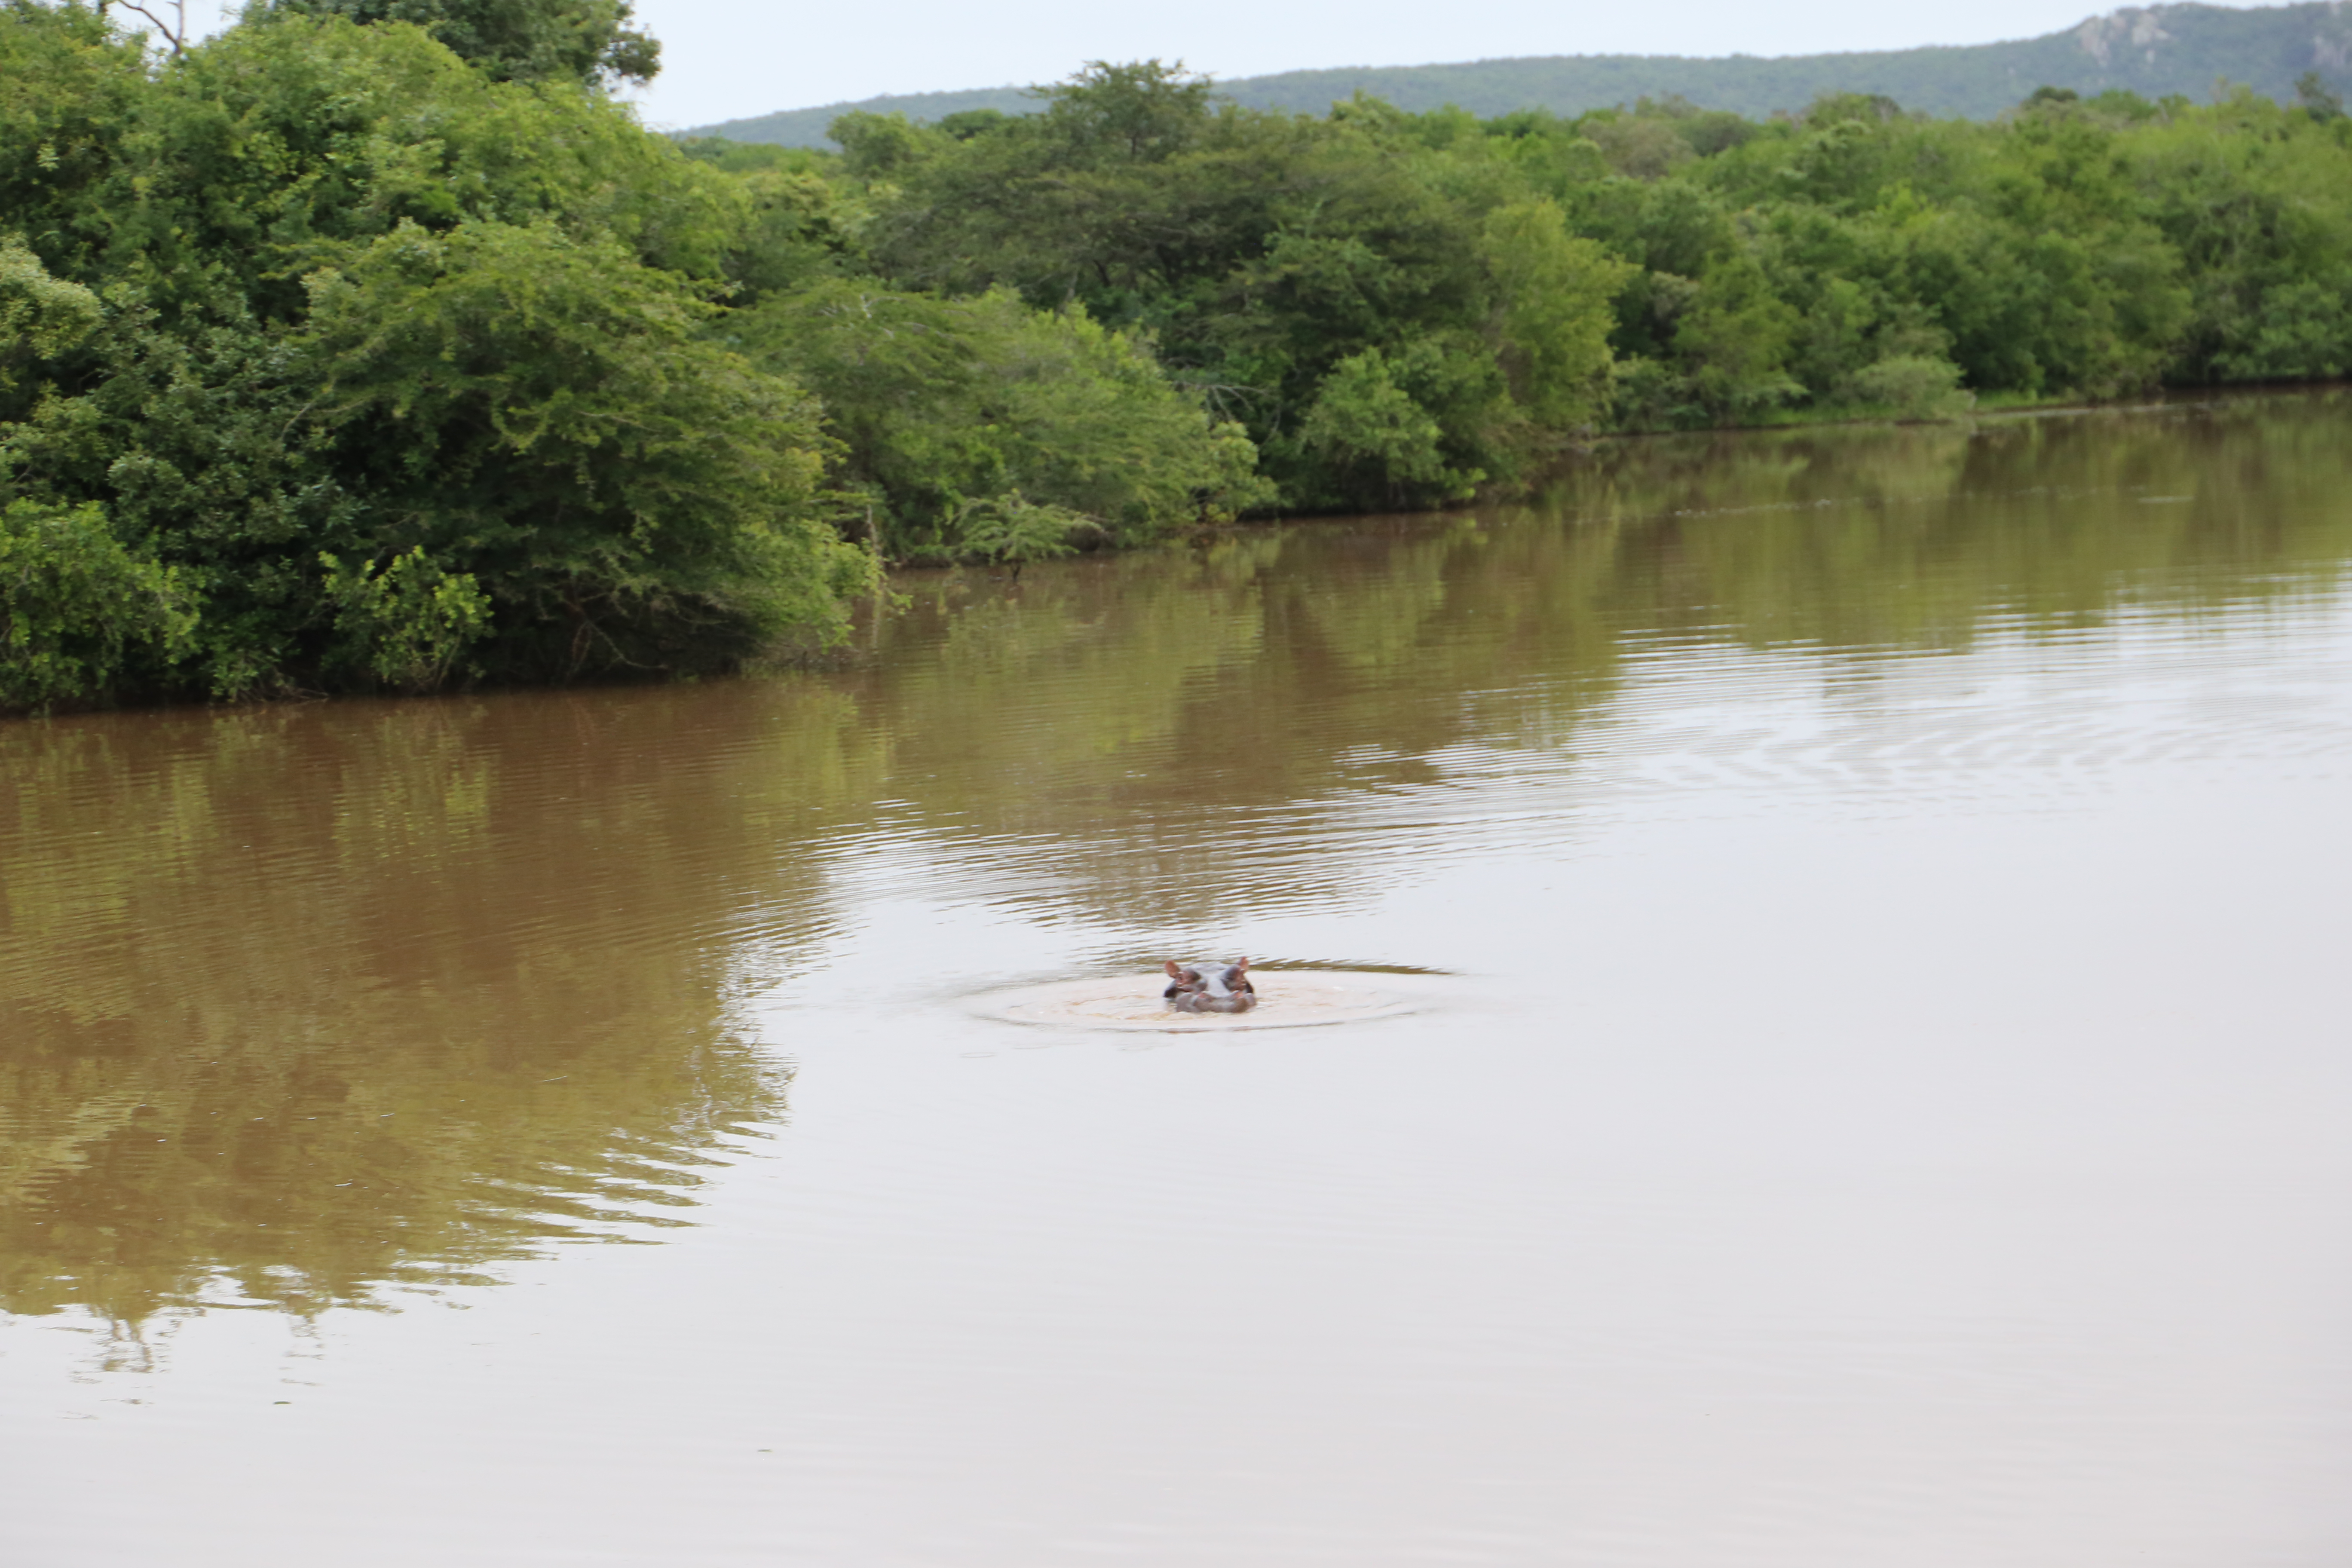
[
  {"x": 371, "y": 345},
  {"x": 334, "y": 360},
  {"x": 1398, "y": 307},
  {"x": 2152, "y": 50}
]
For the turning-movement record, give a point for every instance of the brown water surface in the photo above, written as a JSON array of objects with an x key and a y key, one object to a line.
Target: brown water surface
[{"x": 1874, "y": 1093}]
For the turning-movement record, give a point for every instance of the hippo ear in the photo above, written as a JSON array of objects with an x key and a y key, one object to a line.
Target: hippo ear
[
  {"x": 1240, "y": 964},
  {"x": 1173, "y": 972}
]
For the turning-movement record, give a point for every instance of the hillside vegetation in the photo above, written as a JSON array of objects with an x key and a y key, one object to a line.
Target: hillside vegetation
[
  {"x": 2153, "y": 51},
  {"x": 334, "y": 357}
]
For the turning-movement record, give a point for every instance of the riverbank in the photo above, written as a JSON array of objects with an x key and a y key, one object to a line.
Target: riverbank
[{"x": 447, "y": 373}]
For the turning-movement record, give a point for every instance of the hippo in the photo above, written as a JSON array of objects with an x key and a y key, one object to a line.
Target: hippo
[{"x": 1210, "y": 987}]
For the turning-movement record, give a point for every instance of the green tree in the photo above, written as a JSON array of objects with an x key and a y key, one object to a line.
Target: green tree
[
  {"x": 404, "y": 371},
  {"x": 1553, "y": 293},
  {"x": 2311, "y": 91},
  {"x": 1380, "y": 442},
  {"x": 983, "y": 427},
  {"x": 41, "y": 317},
  {"x": 544, "y": 415},
  {"x": 79, "y": 612},
  {"x": 1283, "y": 265},
  {"x": 519, "y": 40}
]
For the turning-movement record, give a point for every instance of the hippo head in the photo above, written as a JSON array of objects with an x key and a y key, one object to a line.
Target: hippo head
[{"x": 1210, "y": 987}]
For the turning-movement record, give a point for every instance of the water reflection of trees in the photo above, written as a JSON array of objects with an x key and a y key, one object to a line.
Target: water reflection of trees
[
  {"x": 1917, "y": 536},
  {"x": 301, "y": 1002},
  {"x": 1149, "y": 726}
]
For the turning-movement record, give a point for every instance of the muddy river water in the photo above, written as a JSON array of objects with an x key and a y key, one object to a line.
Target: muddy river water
[{"x": 1864, "y": 1076}]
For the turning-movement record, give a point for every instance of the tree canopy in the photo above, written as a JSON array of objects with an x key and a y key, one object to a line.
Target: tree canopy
[
  {"x": 374, "y": 346},
  {"x": 339, "y": 362},
  {"x": 526, "y": 40}
]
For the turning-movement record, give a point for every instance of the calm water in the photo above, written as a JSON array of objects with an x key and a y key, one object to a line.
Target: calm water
[{"x": 1885, "y": 1102}]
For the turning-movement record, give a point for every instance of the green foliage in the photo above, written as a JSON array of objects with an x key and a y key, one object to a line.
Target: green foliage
[
  {"x": 400, "y": 370},
  {"x": 985, "y": 413},
  {"x": 1010, "y": 528},
  {"x": 1389, "y": 321},
  {"x": 626, "y": 493},
  {"x": 578, "y": 40},
  {"x": 408, "y": 623},
  {"x": 2311, "y": 92},
  {"x": 1376, "y": 438},
  {"x": 1912, "y": 387},
  {"x": 41, "y": 317},
  {"x": 1554, "y": 292},
  {"x": 751, "y": 157},
  {"x": 1735, "y": 336},
  {"x": 409, "y": 358},
  {"x": 68, "y": 85},
  {"x": 80, "y": 613},
  {"x": 1640, "y": 147},
  {"x": 1399, "y": 307},
  {"x": 264, "y": 148},
  {"x": 2043, "y": 256}
]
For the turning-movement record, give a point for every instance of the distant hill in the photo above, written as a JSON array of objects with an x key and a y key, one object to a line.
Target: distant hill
[{"x": 2154, "y": 50}]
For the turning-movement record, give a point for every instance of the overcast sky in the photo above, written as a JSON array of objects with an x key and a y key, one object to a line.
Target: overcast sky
[
  {"x": 725, "y": 59},
  {"x": 728, "y": 59}
]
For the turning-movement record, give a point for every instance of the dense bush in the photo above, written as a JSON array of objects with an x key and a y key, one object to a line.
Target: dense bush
[
  {"x": 1401, "y": 307},
  {"x": 963, "y": 413},
  {"x": 78, "y": 611},
  {"x": 1390, "y": 326},
  {"x": 370, "y": 344},
  {"x": 335, "y": 362}
]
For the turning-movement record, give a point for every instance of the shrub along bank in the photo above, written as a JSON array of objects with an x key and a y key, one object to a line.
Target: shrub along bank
[{"x": 371, "y": 345}]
